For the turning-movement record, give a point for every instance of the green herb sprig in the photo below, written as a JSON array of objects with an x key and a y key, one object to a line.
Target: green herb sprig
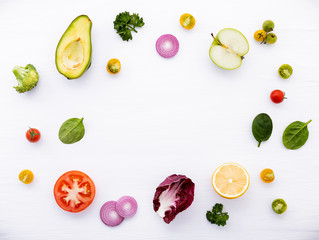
[
  {"x": 125, "y": 23},
  {"x": 217, "y": 216}
]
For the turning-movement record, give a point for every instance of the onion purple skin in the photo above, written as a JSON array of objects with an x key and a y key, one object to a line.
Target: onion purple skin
[
  {"x": 160, "y": 47},
  {"x": 120, "y": 206},
  {"x": 108, "y": 220},
  {"x": 183, "y": 194}
]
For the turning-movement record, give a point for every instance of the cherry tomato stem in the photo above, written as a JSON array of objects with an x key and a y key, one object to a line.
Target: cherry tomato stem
[{"x": 33, "y": 135}]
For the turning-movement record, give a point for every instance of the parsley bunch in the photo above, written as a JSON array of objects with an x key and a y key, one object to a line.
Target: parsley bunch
[
  {"x": 217, "y": 216},
  {"x": 125, "y": 23}
]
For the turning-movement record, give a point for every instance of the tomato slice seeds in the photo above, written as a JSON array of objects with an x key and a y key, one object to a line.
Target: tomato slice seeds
[
  {"x": 26, "y": 176},
  {"x": 74, "y": 191}
]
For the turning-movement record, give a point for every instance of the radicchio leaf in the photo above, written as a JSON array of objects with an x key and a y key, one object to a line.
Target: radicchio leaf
[{"x": 173, "y": 196}]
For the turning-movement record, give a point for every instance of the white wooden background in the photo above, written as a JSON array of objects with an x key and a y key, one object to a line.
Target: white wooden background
[{"x": 159, "y": 117}]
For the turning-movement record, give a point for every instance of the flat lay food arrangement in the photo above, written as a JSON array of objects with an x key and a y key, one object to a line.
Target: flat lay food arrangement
[
  {"x": 172, "y": 196},
  {"x": 73, "y": 58}
]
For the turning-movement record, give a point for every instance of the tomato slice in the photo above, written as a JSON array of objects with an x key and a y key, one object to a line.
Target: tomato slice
[
  {"x": 267, "y": 175},
  {"x": 26, "y": 176},
  {"x": 74, "y": 191}
]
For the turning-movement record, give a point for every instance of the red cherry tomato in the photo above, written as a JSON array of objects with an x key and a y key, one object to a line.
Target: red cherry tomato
[
  {"x": 74, "y": 191},
  {"x": 33, "y": 135},
  {"x": 277, "y": 96}
]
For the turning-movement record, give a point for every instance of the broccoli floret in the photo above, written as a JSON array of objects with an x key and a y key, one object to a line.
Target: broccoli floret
[{"x": 27, "y": 77}]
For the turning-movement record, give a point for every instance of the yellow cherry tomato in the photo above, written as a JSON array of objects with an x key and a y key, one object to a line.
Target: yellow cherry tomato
[
  {"x": 187, "y": 21},
  {"x": 113, "y": 66},
  {"x": 26, "y": 176},
  {"x": 267, "y": 175},
  {"x": 260, "y": 35}
]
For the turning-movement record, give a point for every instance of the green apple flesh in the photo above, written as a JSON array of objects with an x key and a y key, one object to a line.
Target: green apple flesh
[{"x": 228, "y": 49}]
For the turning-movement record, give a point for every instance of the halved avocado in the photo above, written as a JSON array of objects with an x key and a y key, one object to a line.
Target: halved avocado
[{"x": 74, "y": 50}]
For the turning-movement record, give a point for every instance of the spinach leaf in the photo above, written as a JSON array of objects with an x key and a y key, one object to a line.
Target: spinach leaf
[
  {"x": 295, "y": 135},
  {"x": 262, "y": 127},
  {"x": 72, "y": 131}
]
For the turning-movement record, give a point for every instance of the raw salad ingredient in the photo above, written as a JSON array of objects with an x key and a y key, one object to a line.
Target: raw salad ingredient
[
  {"x": 262, "y": 128},
  {"x": 279, "y": 206},
  {"x": 74, "y": 191},
  {"x": 285, "y": 71},
  {"x": 187, "y": 21},
  {"x": 296, "y": 135},
  {"x": 260, "y": 35},
  {"x": 27, "y": 78},
  {"x": 33, "y": 135},
  {"x": 113, "y": 66},
  {"x": 271, "y": 38},
  {"x": 174, "y": 195},
  {"x": 217, "y": 216},
  {"x": 71, "y": 131},
  {"x": 267, "y": 175},
  {"x": 74, "y": 50},
  {"x": 277, "y": 96},
  {"x": 265, "y": 35},
  {"x": 109, "y": 215},
  {"x": 26, "y": 176},
  {"x": 230, "y": 180},
  {"x": 228, "y": 48},
  {"x": 167, "y": 46},
  {"x": 125, "y": 23},
  {"x": 126, "y": 206},
  {"x": 268, "y": 26}
]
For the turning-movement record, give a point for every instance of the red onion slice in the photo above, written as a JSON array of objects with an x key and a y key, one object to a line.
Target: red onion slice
[
  {"x": 109, "y": 215},
  {"x": 167, "y": 45},
  {"x": 126, "y": 206}
]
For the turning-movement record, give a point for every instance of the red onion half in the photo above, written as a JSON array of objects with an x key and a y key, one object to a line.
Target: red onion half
[
  {"x": 167, "y": 45},
  {"x": 109, "y": 215},
  {"x": 126, "y": 206}
]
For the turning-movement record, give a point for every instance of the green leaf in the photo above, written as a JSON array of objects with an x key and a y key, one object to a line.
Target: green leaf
[
  {"x": 123, "y": 17},
  {"x": 125, "y": 23},
  {"x": 136, "y": 21},
  {"x": 262, "y": 127},
  {"x": 71, "y": 131},
  {"x": 126, "y": 35},
  {"x": 218, "y": 207},
  {"x": 295, "y": 135},
  {"x": 216, "y": 216}
]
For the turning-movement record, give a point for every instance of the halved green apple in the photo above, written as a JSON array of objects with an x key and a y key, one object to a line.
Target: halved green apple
[
  {"x": 73, "y": 53},
  {"x": 228, "y": 48}
]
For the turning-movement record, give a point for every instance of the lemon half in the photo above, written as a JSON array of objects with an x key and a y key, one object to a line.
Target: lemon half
[{"x": 230, "y": 180}]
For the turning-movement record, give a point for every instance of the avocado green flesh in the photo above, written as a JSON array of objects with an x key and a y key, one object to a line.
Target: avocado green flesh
[{"x": 74, "y": 50}]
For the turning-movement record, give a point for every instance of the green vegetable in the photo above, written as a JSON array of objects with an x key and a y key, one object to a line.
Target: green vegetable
[
  {"x": 217, "y": 216},
  {"x": 125, "y": 23},
  {"x": 271, "y": 38},
  {"x": 268, "y": 26},
  {"x": 74, "y": 51},
  {"x": 72, "y": 131},
  {"x": 285, "y": 71},
  {"x": 279, "y": 206},
  {"x": 295, "y": 135},
  {"x": 262, "y": 127},
  {"x": 27, "y": 77}
]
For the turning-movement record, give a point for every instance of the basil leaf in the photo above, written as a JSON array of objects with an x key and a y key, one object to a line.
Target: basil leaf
[
  {"x": 262, "y": 127},
  {"x": 295, "y": 135},
  {"x": 72, "y": 131}
]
